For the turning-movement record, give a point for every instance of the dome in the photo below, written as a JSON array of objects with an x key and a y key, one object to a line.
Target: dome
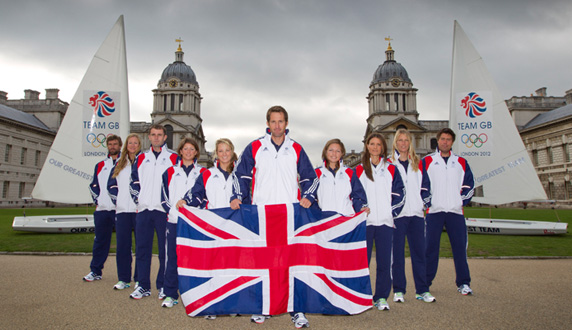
[
  {"x": 390, "y": 69},
  {"x": 180, "y": 70}
]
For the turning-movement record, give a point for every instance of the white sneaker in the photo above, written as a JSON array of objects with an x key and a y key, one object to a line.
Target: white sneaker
[
  {"x": 169, "y": 302},
  {"x": 162, "y": 294},
  {"x": 381, "y": 304},
  {"x": 426, "y": 297},
  {"x": 300, "y": 321},
  {"x": 140, "y": 293},
  {"x": 465, "y": 290},
  {"x": 210, "y": 317},
  {"x": 259, "y": 318},
  {"x": 398, "y": 297},
  {"x": 92, "y": 277},
  {"x": 121, "y": 285}
]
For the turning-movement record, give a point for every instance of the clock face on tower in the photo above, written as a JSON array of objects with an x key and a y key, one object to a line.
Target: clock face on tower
[
  {"x": 173, "y": 83},
  {"x": 395, "y": 82}
]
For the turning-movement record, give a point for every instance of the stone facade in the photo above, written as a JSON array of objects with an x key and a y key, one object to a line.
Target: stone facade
[
  {"x": 548, "y": 139},
  {"x": 23, "y": 150}
]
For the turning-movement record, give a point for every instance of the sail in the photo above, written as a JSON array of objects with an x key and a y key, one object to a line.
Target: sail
[
  {"x": 486, "y": 134},
  {"x": 100, "y": 107}
]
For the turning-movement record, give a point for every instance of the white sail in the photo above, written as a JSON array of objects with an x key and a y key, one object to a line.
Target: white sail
[
  {"x": 99, "y": 107},
  {"x": 486, "y": 134}
]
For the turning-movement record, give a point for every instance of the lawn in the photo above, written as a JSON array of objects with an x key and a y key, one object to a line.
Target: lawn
[{"x": 479, "y": 245}]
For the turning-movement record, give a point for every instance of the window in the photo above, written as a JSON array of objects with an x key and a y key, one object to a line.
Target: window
[
  {"x": 396, "y": 100},
  {"x": 566, "y": 152},
  {"x": 7, "y": 153},
  {"x": 404, "y": 103},
  {"x": 181, "y": 102},
  {"x": 387, "y": 102},
  {"x": 549, "y": 155},
  {"x": 37, "y": 159},
  {"x": 433, "y": 144},
  {"x": 169, "y": 141},
  {"x": 23, "y": 156},
  {"x": 164, "y": 102},
  {"x": 21, "y": 189},
  {"x": 172, "y": 102},
  {"x": 535, "y": 157},
  {"x": 5, "y": 189}
]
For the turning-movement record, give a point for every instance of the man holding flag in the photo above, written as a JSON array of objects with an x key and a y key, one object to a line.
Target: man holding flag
[
  {"x": 274, "y": 162},
  {"x": 276, "y": 256}
]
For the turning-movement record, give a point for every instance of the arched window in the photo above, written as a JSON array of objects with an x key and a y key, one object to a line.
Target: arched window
[
  {"x": 433, "y": 143},
  {"x": 169, "y": 141},
  {"x": 400, "y": 127}
]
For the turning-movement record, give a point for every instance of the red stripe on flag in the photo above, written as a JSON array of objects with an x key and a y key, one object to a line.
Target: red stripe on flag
[
  {"x": 218, "y": 293},
  {"x": 327, "y": 225},
  {"x": 205, "y": 226},
  {"x": 351, "y": 297}
]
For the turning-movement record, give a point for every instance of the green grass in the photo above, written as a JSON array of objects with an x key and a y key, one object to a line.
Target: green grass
[
  {"x": 12, "y": 241},
  {"x": 479, "y": 245}
]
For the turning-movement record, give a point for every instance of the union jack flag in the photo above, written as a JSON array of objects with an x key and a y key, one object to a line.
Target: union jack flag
[{"x": 271, "y": 260}]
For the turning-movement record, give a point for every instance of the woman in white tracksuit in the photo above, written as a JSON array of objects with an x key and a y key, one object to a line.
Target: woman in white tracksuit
[
  {"x": 213, "y": 188},
  {"x": 126, "y": 210},
  {"x": 409, "y": 223},
  {"x": 385, "y": 195},
  {"x": 177, "y": 180},
  {"x": 340, "y": 189}
]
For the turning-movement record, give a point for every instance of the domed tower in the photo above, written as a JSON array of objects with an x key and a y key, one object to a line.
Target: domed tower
[
  {"x": 392, "y": 98},
  {"x": 177, "y": 104}
]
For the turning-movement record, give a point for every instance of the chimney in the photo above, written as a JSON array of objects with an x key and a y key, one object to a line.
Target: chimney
[
  {"x": 4, "y": 97},
  {"x": 541, "y": 91},
  {"x": 568, "y": 96},
  {"x": 52, "y": 93},
  {"x": 31, "y": 95}
]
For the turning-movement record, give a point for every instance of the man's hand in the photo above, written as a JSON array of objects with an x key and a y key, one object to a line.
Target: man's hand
[
  {"x": 366, "y": 209},
  {"x": 181, "y": 203},
  {"x": 305, "y": 203},
  {"x": 235, "y": 204}
]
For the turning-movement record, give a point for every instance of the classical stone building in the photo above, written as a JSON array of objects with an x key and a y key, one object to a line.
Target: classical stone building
[
  {"x": 392, "y": 104},
  {"x": 24, "y": 145},
  {"x": 177, "y": 106},
  {"x": 548, "y": 139}
]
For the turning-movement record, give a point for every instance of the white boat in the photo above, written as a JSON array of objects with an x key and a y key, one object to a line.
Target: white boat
[
  {"x": 74, "y": 224},
  {"x": 100, "y": 107},
  {"x": 487, "y": 137},
  {"x": 515, "y": 227}
]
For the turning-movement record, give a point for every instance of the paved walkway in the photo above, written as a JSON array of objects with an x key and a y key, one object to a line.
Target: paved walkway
[{"x": 46, "y": 292}]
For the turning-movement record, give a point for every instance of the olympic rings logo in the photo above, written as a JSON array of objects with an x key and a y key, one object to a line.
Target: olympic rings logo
[
  {"x": 97, "y": 140},
  {"x": 474, "y": 140}
]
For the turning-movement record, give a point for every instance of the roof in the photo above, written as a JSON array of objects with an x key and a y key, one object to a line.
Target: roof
[
  {"x": 550, "y": 116},
  {"x": 22, "y": 117}
]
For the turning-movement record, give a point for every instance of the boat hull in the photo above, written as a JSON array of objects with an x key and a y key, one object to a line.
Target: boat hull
[
  {"x": 66, "y": 224},
  {"x": 515, "y": 227}
]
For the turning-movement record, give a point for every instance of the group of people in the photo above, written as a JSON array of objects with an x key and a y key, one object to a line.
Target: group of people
[{"x": 143, "y": 192}]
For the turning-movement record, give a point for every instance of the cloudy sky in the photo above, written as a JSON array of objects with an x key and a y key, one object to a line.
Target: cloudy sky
[{"x": 315, "y": 58}]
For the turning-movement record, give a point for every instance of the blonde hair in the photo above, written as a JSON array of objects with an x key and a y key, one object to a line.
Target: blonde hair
[
  {"x": 410, "y": 153},
  {"x": 124, "y": 158},
  {"x": 231, "y": 146}
]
